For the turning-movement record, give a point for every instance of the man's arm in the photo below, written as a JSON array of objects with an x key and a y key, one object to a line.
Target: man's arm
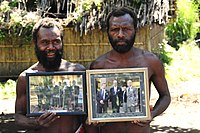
[
  {"x": 20, "y": 106},
  {"x": 158, "y": 79},
  {"x": 160, "y": 83},
  {"x": 20, "y": 109}
]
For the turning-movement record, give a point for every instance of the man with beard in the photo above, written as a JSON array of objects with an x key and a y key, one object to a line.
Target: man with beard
[
  {"x": 122, "y": 26},
  {"x": 48, "y": 40}
]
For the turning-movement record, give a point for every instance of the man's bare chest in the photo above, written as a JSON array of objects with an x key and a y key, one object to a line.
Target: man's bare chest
[{"x": 126, "y": 64}]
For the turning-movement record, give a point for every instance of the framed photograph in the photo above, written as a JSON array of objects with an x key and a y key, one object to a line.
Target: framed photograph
[
  {"x": 60, "y": 92},
  {"x": 116, "y": 95}
]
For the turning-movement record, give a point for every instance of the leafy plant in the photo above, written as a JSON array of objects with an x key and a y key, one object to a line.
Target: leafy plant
[
  {"x": 183, "y": 27},
  {"x": 7, "y": 90},
  {"x": 2, "y": 35},
  {"x": 164, "y": 52},
  {"x": 16, "y": 22},
  {"x": 5, "y": 6}
]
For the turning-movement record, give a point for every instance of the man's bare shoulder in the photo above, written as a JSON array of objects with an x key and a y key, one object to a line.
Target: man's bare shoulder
[
  {"x": 148, "y": 56},
  {"x": 21, "y": 81},
  {"x": 152, "y": 61},
  {"x": 33, "y": 68},
  {"x": 99, "y": 62},
  {"x": 69, "y": 66}
]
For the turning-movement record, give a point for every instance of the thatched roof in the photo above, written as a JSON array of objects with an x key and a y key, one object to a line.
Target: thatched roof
[
  {"x": 84, "y": 15},
  {"x": 90, "y": 13}
]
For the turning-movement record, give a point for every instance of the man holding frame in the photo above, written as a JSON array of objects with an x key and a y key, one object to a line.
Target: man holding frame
[
  {"x": 121, "y": 29},
  {"x": 48, "y": 40}
]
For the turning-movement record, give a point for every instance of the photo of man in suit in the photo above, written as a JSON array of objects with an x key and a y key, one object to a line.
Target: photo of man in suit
[
  {"x": 115, "y": 97},
  {"x": 102, "y": 98},
  {"x": 124, "y": 98},
  {"x": 132, "y": 97}
]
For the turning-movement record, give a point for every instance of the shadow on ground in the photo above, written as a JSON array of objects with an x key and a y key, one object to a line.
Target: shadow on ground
[
  {"x": 170, "y": 129},
  {"x": 7, "y": 125}
]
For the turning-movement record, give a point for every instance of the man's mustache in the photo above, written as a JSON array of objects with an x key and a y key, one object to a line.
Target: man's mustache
[
  {"x": 53, "y": 51},
  {"x": 120, "y": 40}
]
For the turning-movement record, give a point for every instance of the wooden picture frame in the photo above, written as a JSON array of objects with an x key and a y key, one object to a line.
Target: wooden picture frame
[
  {"x": 60, "y": 92},
  {"x": 126, "y": 109}
]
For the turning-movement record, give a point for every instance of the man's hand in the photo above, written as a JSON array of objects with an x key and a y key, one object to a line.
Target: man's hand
[
  {"x": 141, "y": 123},
  {"x": 46, "y": 119},
  {"x": 144, "y": 123}
]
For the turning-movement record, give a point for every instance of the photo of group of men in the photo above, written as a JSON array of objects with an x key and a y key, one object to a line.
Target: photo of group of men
[
  {"x": 119, "y": 97},
  {"x": 56, "y": 93}
]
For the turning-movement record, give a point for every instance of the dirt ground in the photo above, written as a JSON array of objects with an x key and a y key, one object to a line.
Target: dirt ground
[{"x": 182, "y": 116}]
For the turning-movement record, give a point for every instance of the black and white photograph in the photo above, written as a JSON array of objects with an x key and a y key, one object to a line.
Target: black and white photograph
[
  {"x": 117, "y": 95},
  {"x": 60, "y": 92}
]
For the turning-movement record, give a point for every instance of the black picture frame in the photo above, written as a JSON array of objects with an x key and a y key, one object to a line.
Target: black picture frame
[
  {"x": 60, "y": 92},
  {"x": 135, "y": 109}
]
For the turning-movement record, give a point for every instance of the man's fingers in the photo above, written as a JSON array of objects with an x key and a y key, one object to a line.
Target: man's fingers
[
  {"x": 45, "y": 115},
  {"x": 46, "y": 119},
  {"x": 50, "y": 120},
  {"x": 140, "y": 123}
]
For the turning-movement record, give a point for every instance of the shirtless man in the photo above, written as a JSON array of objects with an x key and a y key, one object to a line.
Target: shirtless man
[
  {"x": 48, "y": 40},
  {"x": 122, "y": 26}
]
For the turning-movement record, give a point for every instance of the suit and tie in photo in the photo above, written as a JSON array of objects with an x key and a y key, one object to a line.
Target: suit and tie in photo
[
  {"x": 132, "y": 97},
  {"x": 124, "y": 99},
  {"x": 116, "y": 97},
  {"x": 102, "y": 99}
]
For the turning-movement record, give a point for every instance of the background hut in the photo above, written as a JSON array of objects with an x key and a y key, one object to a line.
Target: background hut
[{"x": 84, "y": 21}]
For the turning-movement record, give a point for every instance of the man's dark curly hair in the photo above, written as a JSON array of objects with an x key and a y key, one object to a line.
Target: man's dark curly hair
[
  {"x": 46, "y": 23},
  {"x": 120, "y": 11}
]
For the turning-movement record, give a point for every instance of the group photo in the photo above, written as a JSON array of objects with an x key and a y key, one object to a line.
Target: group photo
[
  {"x": 59, "y": 93},
  {"x": 116, "y": 96}
]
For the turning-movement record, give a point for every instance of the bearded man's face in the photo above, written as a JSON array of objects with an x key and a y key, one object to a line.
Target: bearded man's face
[
  {"x": 121, "y": 33},
  {"x": 49, "y": 47},
  {"x": 128, "y": 44},
  {"x": 49, "y": 63}
]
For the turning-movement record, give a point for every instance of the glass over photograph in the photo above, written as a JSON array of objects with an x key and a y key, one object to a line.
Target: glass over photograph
[
  {"x": 61, "y": 92},
  {"x": 118, "y": 95}
]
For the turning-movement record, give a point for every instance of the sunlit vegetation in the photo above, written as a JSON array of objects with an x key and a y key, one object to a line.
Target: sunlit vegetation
[
  {"x": 183, "y": 64},
  {"x": 7, "y": 90}
]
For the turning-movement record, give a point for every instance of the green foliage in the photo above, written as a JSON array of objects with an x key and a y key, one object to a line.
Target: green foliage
[
  {"x": 14, "y": 3},
  {"x": 164, "y": 52},
  {"x": 87, "y": 4},
  {"x": 16, "y": 22},
  {"x": 4, "y": 7},
  {"x": 85, "y": 7},
  {"x": 8, "y": 89},
  {"x": 2, "y": 35},
  {"x": 184, "y": 64},
  {"x": 184, "y": 26}
]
